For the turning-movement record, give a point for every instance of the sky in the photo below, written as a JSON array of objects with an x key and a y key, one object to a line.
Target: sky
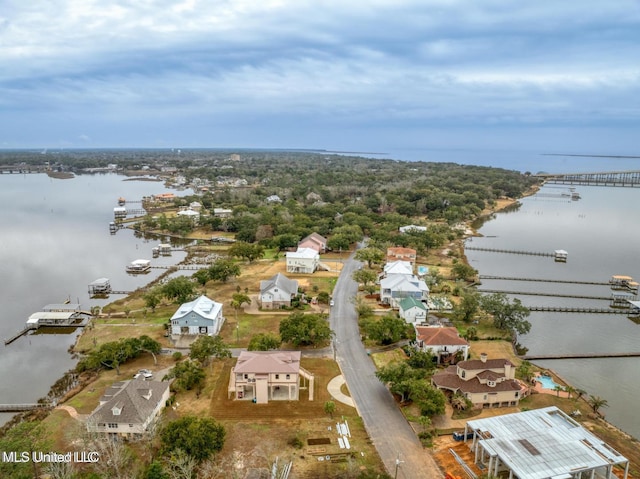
[{"x": 374, "y": 76}]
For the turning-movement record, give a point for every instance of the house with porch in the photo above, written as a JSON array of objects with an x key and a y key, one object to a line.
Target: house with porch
[
  {"x": 314, "y": 241},
  {"x": 487, "y": 383},
  {"x": 397, "y": 267},
  {"x": 304, "y": 260},
  {"x": 413, "y": 311},
  {"x": 277, "y": 292},
  {"x": 443, "y": 342},
  {"x": 200, "y": 316},
  {"x": 396, "y": 287},
  {"x": 129, "y": 408},
  {"x": 263, "y": 376}
]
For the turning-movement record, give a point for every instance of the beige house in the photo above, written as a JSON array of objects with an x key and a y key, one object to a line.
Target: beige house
[
  {"x": 443, "y": 342},
  {"x": 485, "y": 382},
  {"x": 129, "y": 408},
  {"x": 401, "y": 254},
  {"x": 263, "y": 376}
]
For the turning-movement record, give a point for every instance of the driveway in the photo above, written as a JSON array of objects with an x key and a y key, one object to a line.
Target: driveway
[{"x": 388, "y": 429}]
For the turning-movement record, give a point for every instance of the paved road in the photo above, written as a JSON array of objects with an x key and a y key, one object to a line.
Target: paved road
[{"x": 388, "y": 429}]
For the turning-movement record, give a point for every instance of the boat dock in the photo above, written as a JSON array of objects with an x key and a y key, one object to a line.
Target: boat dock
[
  {"x": 554, "y": 295},
  {"x": 542, "y": 280},
  {"x": 559, "y": 255},
  {"x": 570, "y": 309},
  {"x": 533, "y": 357},
  {"x": 35, "y": 326},
  {"x": 65, "y": 315},
  {"x": 21, "y": 407}
]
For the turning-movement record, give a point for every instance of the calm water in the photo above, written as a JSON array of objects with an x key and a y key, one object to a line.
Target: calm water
[
  {"x": 600, "y": 233},
  {"x": 54, "y": 241}
]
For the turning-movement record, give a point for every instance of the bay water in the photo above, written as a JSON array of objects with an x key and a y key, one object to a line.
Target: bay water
[
  {"x": 600, "y": 233},
  {"x": 54, "y": 241}
]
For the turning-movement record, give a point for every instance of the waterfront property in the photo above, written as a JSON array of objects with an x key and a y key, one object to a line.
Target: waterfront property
[
  {"x": 129, "y": 408},
  {"x": 541, "y": 444},
  {"x": 277, "y": 292},
  {"x": 200, "y": 316},
  {"x": 413, "y": 311},
  {"x": 397, "y": 287},
  {"x": 443, "y": 342},
  {"x": 139, "y": 266},
  {"x": 56, "y": 315},
  {"x": 263, "y": 376},
  {"x": 485, "y": 382}
]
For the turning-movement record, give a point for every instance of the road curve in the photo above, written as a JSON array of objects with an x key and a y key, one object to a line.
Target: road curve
[{"x": 390, "y": 432}]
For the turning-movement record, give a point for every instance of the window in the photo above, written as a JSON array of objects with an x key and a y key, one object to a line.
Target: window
[
  {"x": 288, "y": 376},
  {"x": 246, "y": 376},
  {"x": 464, "y": 373},
  {"x": 277, "y": 376},
  {"x": 517, "y": 393},
  {"x": 113, "y": 425}
]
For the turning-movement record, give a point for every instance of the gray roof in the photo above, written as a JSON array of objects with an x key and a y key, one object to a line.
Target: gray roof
[
  {"x": 136, "y": 399},
  {"x": 543, "y": 443},
  {"x": 280, "y": 281}
]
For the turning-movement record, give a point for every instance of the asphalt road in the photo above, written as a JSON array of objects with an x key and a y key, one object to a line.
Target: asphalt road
[{"x": 390, "y": 432}]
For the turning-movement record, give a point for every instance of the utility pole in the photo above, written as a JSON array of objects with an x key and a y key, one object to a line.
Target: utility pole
[{"x": 398, "y": 462}]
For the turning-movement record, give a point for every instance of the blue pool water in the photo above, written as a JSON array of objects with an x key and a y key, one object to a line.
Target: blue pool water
[{"x": 547, "y": 382}]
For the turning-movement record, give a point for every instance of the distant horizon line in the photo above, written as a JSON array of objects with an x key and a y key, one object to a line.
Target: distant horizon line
[{"x": 310, "y": 150}]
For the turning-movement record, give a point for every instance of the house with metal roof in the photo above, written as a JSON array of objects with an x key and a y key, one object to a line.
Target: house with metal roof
[
  {"x": 277, "y": 292},
  {"x": 413, "y": 311},
  {"x": 200, "y": 316},
  {"x": 394, "y": 288},
  {"x": 129, "y": 408},
  {"x": 304, "y": 260},
  {"x": 263, "y": 376},
  {"x": 541, "y": 443}
]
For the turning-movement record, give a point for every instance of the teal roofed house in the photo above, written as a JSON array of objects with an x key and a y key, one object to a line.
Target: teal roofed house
[{"x": 413, "y": 311}]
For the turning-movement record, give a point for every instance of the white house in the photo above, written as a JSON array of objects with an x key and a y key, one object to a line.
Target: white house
[
  {"x": 304, "y": 260},
  {"x": 201, "y": 316},
  {"x": 274, "y": 199},
  {"x": 412, "y": 229},
  {"x": 277, "y": 291},
  {"x": 194, "y": 216},
  {"x": 396, "y": 287},
  {"x": 129, "y": 408},
  {"x": 443, "y": 342},
  {"x": 397, "y": 267},
  {"x": 413, "y": 311}
]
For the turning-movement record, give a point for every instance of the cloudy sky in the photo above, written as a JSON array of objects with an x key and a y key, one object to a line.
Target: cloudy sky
[{"x": 380, "y": 75}]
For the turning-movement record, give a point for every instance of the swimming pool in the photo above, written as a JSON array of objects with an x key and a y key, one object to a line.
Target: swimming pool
[{"x": 546, "y": 382}]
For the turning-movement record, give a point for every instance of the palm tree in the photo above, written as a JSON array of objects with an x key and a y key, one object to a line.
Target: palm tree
[
  {"x": 597, "y": 402},
  {"x": 580, "y": 393},
  {"x": 570, "y": 390},
  {"x": 459, "y": 402},
  {"x": 557, "y": 389}
]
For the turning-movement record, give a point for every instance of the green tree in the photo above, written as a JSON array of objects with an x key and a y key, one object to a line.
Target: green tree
[
  {"x": 199, "y": 437},
  {"x": 180, "y": 289},
  {"x": 25, "y": 437},
  {"x": 223, "y": 269},
  {"x": 422, "y": 360},
  {"x": 468, "y": 306},
  {"x": 155, "y": 471},
  {"x": 597, "y": 403},
  {"x": 206, "y": 346},
  {"x": 188, "y": 375},
  {"x": 364, "y": 276},
  {"x": 153, "y": 297},
  {"x": 323, "y": 297},
  {"x": 330, "y": 408},
  {"x": 399, "y": 376},
  {"x": 338, "y": 242},
  {"x": 201, "y": 276},
  {"x": 371, "y": 255},
  {"x": 237, "y": 300},
  {"x": 264, "y": 342},
  {"x": 507, "y": 316},
  {"x": 463, "y": 271},
  {"x": 525, "y": 371},
  {"x": 430, "y": 400},
  {"x": 305, "y": 329},
  {"x": 248, "y": 251},
  {"x": 388, "y": 329}
]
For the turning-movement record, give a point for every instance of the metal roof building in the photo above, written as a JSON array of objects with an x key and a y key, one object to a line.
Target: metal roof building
[{"x": 542, "y": 444}]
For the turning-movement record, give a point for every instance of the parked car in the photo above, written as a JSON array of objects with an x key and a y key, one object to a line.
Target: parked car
[
  {"x": 331, "y": 303},
  {"x": 143, "y": 374},
  {"x": 459, "y": 435}
]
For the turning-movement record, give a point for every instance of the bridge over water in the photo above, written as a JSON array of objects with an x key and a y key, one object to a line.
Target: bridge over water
[{"x": 602, "y": 178}]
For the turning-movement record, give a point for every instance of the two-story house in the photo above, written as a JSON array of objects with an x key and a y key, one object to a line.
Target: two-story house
[
  {"x": 401, "y": 254},
  {"x": 200, "y": 316},
  {"x": 263, "y": 376},
  {"x": 304, "y": 260},
  {"x": 277, "y": 291},
  {"x": 413, "y": 311},
  {"x": 485, "y": 382},
  {"x": 394, "y": 288},
  {"x": 129, "y": 408},
  {"x": 443, "y": 342},
  {"x": 314, "y": 241}
]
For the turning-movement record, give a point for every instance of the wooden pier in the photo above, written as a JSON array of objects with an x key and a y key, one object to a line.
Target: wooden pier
[
  {"x": 34, "y": 327},
  {"x": 570, "y": 309},
  {"x": 604, "y": 178},
  {"x": 510, "y": 251},
  {"x": 533, "y": 357},
  {"x": 554, "y": 295},
  {"x": 542, "y": 280},
  {"x": 21, "y": 407}
]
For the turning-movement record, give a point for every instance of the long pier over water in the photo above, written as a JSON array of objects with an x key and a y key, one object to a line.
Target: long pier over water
[{"x": 603, "y": 178}]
